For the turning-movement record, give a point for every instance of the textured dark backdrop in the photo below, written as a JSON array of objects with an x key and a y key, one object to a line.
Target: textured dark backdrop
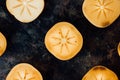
[{"x": 26, "y": 42}]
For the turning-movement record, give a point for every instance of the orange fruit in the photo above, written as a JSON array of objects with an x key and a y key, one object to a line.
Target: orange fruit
[
  {"x": 25, "y": 10},
  {"x": 3, "y": 44},
  {"x": 101, "y": 13},
  {"x": 63, "y": 40},
  {"x": 24, "y": 71},
  {"x": 118, "y": 48},
  {"x": 100, "y": 73}
]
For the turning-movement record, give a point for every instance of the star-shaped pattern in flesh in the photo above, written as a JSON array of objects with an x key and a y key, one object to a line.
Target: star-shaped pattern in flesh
[
  {"x": 102, "y": 7},
  {"x": 64, "y": 40},
  {"x": 24, "y": 75},
  {"x": 25, "y": 4}
]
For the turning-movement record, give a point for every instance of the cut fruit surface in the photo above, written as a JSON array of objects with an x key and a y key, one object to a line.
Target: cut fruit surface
[
  {"x": 63, "y": 40},
  {"x": 100, "y": 73},
  {"x": 118, "y": 49},
  {"x": 101, "y": 13},
  {"x": 24, "y": 71},
  {"x": 25, "y": 10},
  {"x": 3, "y": 44}
]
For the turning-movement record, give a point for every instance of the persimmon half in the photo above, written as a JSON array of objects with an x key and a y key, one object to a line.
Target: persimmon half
[
  {"x": 24, "y": 71},
  {"x": 25, "y": 10},
  {"x": 118, "y": 49},
  {"x": 101, "y": 13},
  {"x": 3, "y": 44},
  {"x": 63, "y": 40},
  {"x": 100, "y": 73}
]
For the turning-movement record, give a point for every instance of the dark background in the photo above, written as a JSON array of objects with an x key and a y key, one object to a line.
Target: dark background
[{"x": 26, "y": 42}]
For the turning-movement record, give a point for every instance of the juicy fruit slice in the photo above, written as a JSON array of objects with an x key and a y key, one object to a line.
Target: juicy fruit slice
[
  {"x": 63, "y": 40},
  {"x": 100, "y": 73},
  {"x": 24, "y": 71},
  {"x": 3, "y": 44},
  {"x": 118, "y": 48},
  {"x": 25, "y": 10},
  {"x": 101, "y": 13}
]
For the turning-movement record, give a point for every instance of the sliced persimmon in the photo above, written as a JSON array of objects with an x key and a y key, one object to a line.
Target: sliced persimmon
[
  {"x": 118, "y": 49},
  {"x": 101, "y": 13},
  {"x": 63, "y": 40},
  {"x": 24, "y": 71},
  {"x": 3, "y": 44},
  {"x": 100, "y": 73},
  {"x": 25, "y": 10}
]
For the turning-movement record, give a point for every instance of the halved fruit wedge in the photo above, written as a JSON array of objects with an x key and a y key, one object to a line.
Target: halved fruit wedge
[
  {"x": 101, "y": 13},
  {"x": 3, "y": 44},
  {"x": 24, "y": 71},
  {"x": 100, "y": 73},
  {"x": 118, "y": 49},
  {"x": 25, "y": 10},
  {"x": 63, "y": 40}
]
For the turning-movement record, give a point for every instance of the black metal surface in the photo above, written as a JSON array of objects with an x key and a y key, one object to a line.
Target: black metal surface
[{"x": 26, "y": 42}]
